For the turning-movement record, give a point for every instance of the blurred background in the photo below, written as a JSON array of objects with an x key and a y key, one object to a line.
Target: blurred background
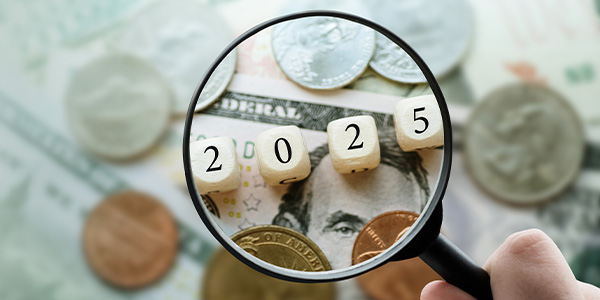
[{"x": 51, "y": 178}]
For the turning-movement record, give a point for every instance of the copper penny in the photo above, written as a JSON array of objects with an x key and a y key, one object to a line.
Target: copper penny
[
  {"x": 130, "y": 239},
  {"x": 398, "y": 280},
  {"x": 380, "y": 233}
]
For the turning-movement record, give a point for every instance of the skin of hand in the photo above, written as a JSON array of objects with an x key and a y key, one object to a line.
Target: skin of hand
[{"x": 528, "y": 265}]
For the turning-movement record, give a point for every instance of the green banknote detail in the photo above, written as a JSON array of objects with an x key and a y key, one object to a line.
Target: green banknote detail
[
  {"x": 18, "y": 231},
  {"x": 287, "y": 112},
  {"x": 586, "y": 266}
]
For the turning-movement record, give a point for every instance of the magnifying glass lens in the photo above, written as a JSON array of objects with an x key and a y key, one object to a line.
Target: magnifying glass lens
[{"x": 321, "y": 150}]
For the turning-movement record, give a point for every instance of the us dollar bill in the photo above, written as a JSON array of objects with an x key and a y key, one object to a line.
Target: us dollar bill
[{"x": 253, "y": 104}]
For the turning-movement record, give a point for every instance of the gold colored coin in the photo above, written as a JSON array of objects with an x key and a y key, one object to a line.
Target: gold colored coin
[
  {"x": 228, "y": 278},
  {"x": 130, "y": 239},
  {"x": 282, "y": 247}
]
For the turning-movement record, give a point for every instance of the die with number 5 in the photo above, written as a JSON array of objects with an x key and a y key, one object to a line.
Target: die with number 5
[{"x": 418, "y": 123}]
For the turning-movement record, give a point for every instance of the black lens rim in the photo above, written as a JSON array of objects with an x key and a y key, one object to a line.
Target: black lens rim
[{"x": 334, "y": 275}]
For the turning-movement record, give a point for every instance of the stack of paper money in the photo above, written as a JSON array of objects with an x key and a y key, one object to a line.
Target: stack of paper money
[{"x": 58, "y": 164}]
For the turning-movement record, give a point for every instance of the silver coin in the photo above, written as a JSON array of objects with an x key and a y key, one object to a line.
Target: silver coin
[
  {"x": 524, "y": 144},
  {"x": 322, "y": 52},
  {"x": 218, "y": 81},
  {"x": 392, "y": 62},
  {"x": 356, "y": 7},
  {"x": 118, "y": 106},
  {"x": 181, "y": 38},
  {"x": 438, "y": 30}
]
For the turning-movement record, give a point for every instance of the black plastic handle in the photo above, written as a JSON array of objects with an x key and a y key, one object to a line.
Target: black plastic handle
[{"x": 457, "y": 268}]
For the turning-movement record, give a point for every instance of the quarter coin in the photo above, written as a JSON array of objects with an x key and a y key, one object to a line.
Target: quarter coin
[
  {"x": 118, "y": 106},
  {"x": 322, "y": 52},
  {"x": 218, "y": 82},
  {"x": 440, "y": 31},
  {"x": 524, "y": 144},
  {"x": 180, "y": 38},
  {"x": 130, "y": 239},
  {"x": 282, "y": 247},
  {"x": 392, "y": 62}
]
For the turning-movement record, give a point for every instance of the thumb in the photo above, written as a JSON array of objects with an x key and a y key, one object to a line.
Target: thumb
[{"x": 530, "y": 266}]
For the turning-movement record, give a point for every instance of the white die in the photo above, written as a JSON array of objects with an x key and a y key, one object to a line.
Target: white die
[
  {"x": 215, "y": 165},
  {"x": 418, "y": 123},
  {"x": 353, "y": 144},
  {"x": 282, "y": 156}
]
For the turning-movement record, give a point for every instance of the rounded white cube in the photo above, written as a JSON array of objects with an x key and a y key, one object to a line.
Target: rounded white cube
[
  {"x": 215, "y": 165},
  {"x": 282, "y": 155},
  {"x": 418, "y": 123},
  {"x": 353, "y": 144}
]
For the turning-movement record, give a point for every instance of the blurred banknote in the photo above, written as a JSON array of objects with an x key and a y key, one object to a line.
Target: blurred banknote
[
  {"x": 546, "y": 42},
  {"x": 48, "y": 185},
  {"x": 47, "y": 189}
]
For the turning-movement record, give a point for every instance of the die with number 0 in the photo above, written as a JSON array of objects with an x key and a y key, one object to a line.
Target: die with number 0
[
  {"x": 353, "y": 144},
  {"x": 418, "y": 123},
  {"x": 214, "y": 165},
  {"x": 282, "y": 155}
]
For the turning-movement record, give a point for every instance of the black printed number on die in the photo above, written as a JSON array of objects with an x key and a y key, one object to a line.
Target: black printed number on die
[
  {"x": 422, "y": 119},
  {"x": 352, "y": 146},
  {"x": 287, "y": 146},
  {"x": 211, "y": 168}
]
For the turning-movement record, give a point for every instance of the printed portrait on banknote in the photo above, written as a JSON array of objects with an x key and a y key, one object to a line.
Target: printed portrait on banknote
[{"x": 331, "y": 208}]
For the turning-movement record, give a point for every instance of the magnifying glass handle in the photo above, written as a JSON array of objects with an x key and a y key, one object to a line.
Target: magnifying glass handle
[{"x": 457, "y": 268}]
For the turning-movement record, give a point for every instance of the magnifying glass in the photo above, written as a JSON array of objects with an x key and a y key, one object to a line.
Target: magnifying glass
[{"x": 305, "y": 179}]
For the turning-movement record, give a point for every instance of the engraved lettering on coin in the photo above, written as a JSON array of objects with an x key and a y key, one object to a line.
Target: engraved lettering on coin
[
  {"x": 524, "y": 144},
  {"x": 118, "y": 106},
  {"x": 322, "y": 52},
  {"x": 130, "y": 239},
  {"x": 381, "y": 233},
  {"x": 228, "y": 278},
  {"x": 282, "y": 247},
  {"x": 439, "y": 31}
]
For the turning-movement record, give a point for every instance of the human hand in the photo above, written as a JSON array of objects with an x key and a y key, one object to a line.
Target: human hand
[{"x": 528, "y": 265}]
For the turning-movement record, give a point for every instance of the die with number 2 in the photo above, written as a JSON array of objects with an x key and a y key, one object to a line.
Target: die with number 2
[
  {"x": 353, "y": 144},
  {"x": 215, "y": 165}
]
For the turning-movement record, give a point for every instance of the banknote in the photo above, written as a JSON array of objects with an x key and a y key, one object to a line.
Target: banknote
[
  {"x": 475, "y": 221},
  {"x": 48, "y": 187},
  {"x": 253, "y": 104},
  {"x": 546, "y": 42}
]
